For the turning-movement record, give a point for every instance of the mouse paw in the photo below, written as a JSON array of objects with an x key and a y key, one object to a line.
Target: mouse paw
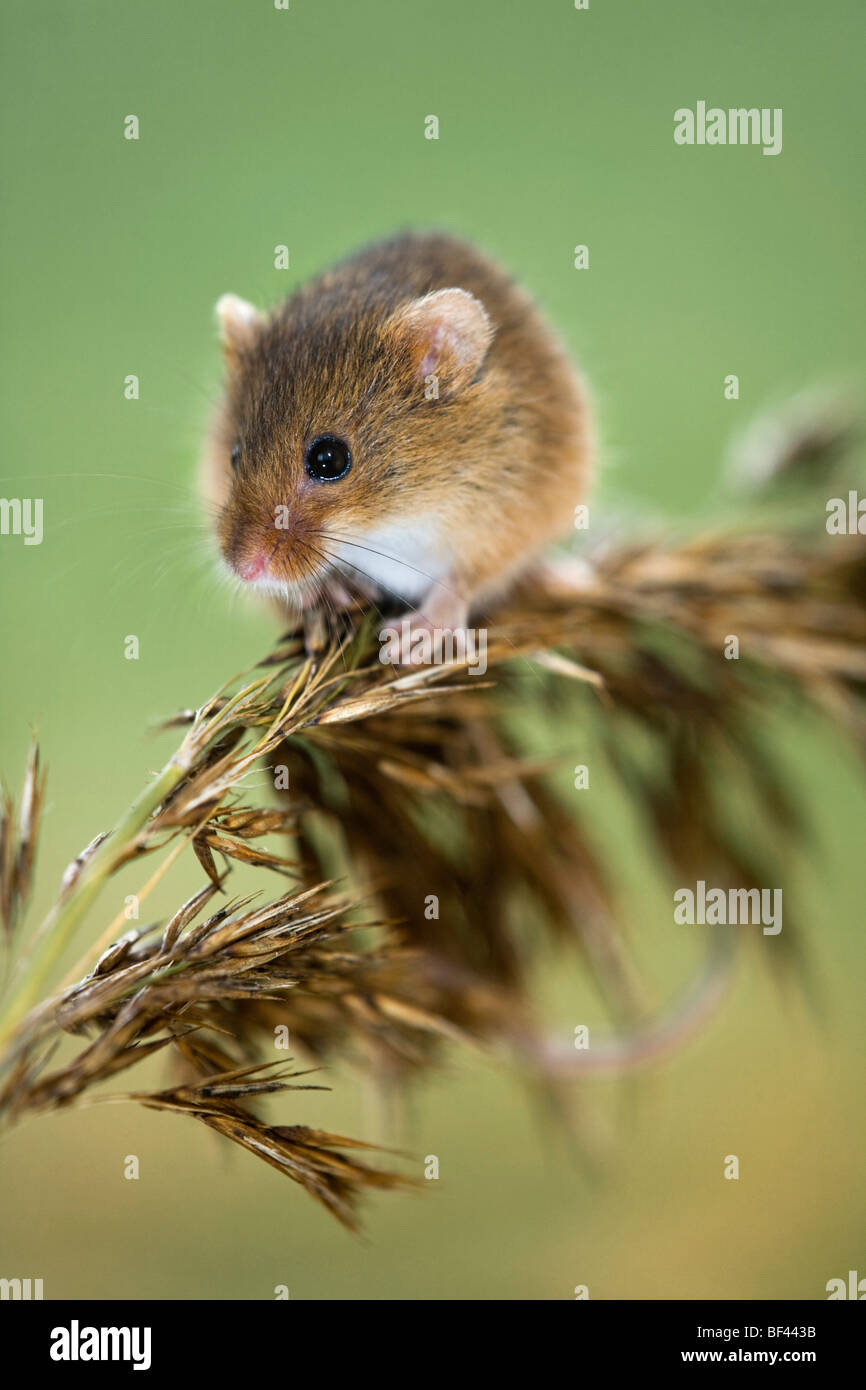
[
  {"x": 433, "y": 635},
  {"x": 335, "y": 594},
  {"x": 564, "y": 576}
]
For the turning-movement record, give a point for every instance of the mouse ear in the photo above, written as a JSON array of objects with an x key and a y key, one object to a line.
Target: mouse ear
[
  {"x": 447, "y": 334},
  {"x": 239, "y": 321}
]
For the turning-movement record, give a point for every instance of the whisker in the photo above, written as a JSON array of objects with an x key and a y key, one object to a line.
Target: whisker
[
  {"x": 121, "y": 513},
  {"x": 375, "y": 582},
  {"x": 396, "y": 559},
  {"x": 123, "y": 477}
]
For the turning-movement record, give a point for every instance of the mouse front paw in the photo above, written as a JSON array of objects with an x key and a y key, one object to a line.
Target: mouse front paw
[{"x": 436, "y": 634}]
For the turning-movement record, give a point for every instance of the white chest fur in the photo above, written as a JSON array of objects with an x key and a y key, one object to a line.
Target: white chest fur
[{"x": 405, "y": 559}]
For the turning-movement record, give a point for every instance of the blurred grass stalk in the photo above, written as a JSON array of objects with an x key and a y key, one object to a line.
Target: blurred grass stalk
[{"x": 69, "y": 912}]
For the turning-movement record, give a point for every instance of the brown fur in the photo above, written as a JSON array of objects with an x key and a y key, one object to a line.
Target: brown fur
[{"x": 502, "y": 457}]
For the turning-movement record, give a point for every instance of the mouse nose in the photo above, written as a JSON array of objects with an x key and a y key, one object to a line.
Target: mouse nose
[{"x": 252, "y": 567}]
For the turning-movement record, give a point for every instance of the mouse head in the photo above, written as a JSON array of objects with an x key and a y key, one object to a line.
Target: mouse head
[{"x": 340, "y": 418}]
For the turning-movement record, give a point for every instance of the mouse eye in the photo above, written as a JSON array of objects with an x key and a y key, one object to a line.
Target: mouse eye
[
  {"x": 328, "y": 459},
  {"x": 236, "y": 457}
]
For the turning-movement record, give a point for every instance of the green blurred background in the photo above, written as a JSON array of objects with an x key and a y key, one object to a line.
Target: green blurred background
[{"x": 305, "y": 127}]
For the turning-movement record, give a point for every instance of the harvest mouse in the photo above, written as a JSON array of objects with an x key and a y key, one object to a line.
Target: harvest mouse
[{"x": 405, "y": 428}]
